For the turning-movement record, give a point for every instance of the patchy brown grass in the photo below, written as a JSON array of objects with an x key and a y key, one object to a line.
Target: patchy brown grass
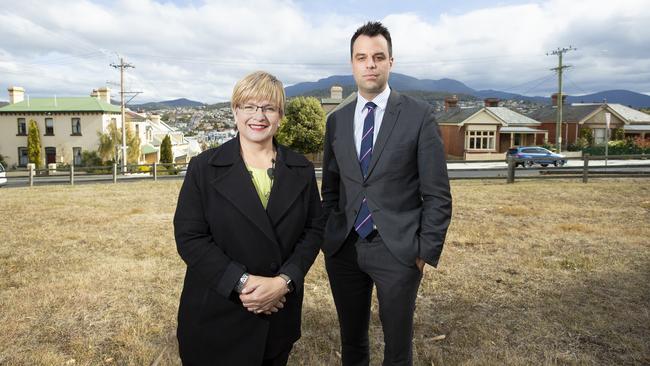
[{"x": 532, "y": 273}]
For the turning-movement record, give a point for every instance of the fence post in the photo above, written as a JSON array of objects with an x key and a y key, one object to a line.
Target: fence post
[
  {"x": 511, "y": 169},
  {"x": 585, "y": 168},
  {"x": 31, "y": 175},
  {"x": 71, "y": 175},
  {"x": 114, "y": 172},
  {"x": 155, "y": 171}
]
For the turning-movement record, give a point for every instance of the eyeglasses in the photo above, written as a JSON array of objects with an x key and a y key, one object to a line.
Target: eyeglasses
[{"x": 267, "y": 110}]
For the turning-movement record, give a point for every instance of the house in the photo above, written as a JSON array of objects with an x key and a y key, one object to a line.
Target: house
[
  {"x": 592, "y": 116},
  {"x": 152, "y": 131},
  {"x": 71, "y": 125},
  {"x": 487, "y": 132},
  {"x": 67, "y": 125}
]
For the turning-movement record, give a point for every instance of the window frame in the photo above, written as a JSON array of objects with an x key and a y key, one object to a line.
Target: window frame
[
  {"x": 24, "y": 125},
  {"x": 49, "y": 131},
  {"x": 481, "y": 140},
  {"x": 72, "y": 126}
]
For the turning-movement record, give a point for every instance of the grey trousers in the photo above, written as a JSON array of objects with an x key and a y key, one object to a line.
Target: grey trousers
[{"x": 352, "y": 272}]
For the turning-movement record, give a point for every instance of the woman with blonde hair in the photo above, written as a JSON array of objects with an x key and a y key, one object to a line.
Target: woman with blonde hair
[{"x": 248, "y": 226}]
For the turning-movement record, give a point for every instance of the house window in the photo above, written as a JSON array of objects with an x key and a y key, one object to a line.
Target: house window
[
  {"x": 137, "y": 129},
  {"x": 49, "y": 127},
  {"x": 23, "y": 159},
  {"x": 50, "y": 155},
  {"x": 76, "y": 126},
  {"x": 481, "y": 140},
  {"x": 22, "y": 127},
  {"x": 76, "y": 155},
  {"x": 599, "y": 135}
]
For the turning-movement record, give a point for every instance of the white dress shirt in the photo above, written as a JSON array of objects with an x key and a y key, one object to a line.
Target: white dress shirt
[{"x": 361, "y": 112}]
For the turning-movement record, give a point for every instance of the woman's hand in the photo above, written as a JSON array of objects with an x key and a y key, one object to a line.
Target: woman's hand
[{"x": 264, "y": 294}]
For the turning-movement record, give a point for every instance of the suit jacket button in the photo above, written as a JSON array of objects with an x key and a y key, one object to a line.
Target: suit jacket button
[
  {"x": 274, "y": 267},
  {"x": 364, "y": 185}
]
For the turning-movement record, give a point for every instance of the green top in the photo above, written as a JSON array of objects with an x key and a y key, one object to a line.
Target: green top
[
  {"x": 262, "y": 183},
  {"x": 65, "y": 104}
]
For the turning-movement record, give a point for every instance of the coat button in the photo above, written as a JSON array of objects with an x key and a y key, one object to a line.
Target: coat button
[
  {"x": 364, "y": 185},
  {"x": 274, "y": 266}
]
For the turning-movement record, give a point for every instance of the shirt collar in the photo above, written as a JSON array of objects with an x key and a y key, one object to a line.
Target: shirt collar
[{"x": 380, "y": 100}]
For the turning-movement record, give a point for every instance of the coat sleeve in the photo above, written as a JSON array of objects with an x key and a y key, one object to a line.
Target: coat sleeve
[
  {"x": 194, "y": 240},
  {"x": 307, "y": 247},
  {"x": 434, "y": 189}
]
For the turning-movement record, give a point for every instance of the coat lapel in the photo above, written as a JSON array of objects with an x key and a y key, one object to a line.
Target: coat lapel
[
  {"x": 288, "y": 184},
  {"x": 235, "y": 184},
  {"x": 390, "y": 119}
]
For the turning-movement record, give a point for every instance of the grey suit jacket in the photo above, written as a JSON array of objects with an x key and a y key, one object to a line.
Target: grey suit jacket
[{"x": 407, "y": 187}]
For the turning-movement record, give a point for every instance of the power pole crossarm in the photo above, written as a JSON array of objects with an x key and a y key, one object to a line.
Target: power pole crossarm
[
  {"x": 558, "y": 131},
  {"x": 122, "y": 65}
]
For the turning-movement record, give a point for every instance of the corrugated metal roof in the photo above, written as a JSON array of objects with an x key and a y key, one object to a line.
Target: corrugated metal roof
[
  {"x": 570, "y": 113},
  {"x": 66, "y": 104},
  {"x": 456, "y": 115},
  {"x": 637, "y": 128},
  {"x": 520, "y": 129},
  {"x": 506, "y": 115},
  {"x": 630, "y": 114},
  {"x": 511, "y": 117}
]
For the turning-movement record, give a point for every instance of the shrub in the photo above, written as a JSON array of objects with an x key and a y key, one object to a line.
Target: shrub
[
  {"x": 587, "y": 134},
  {"x": 618, "y": 134}
]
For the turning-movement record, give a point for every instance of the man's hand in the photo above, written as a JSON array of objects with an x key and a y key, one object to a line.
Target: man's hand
[
  {"x": 264, "y": 294},
  {"x": 420, "y": 263}
]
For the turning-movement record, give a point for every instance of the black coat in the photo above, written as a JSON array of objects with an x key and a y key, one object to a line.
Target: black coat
[{"x": 222, "y": 231}]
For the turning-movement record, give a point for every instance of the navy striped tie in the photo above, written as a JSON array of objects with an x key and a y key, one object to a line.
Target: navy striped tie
[{"x": 363, "y": 224}]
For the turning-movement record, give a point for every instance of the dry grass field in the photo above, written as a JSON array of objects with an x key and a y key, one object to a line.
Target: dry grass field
[{"x": 535, "y": 273}]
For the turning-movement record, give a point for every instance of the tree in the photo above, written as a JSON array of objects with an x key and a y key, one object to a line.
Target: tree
[
  {"x": 34, "y": 144},
  {"x": 166, "y": 155},
  {"x": 110, "y": 143},
  {"x": 303, "y": 126}
]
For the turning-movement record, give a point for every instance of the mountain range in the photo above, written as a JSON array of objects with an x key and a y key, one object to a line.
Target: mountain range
[
  {"x": 403, "y": 82},
  {"x": 175, "y": 103},
  {"x": 428, "y": 90}
]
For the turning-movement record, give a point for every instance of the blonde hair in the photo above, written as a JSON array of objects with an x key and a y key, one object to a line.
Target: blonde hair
[{"x": 259, "y": 85}]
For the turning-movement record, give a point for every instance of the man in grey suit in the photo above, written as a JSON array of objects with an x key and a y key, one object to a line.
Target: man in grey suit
[{"x": 387, "y": 201}]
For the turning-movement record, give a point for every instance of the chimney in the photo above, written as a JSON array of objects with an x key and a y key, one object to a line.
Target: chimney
[
  {"x": 554, "y": 99},
  {"x": 16, "y": 94},
  {"x": 336, "y": 92},
  {"x": 491, "y": 102},
  {"x": 155, "y": 118},
  {"x": 103, "y": 94},
  {"x": 451, "y": 102}
]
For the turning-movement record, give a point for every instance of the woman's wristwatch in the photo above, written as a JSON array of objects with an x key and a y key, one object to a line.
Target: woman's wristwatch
[{"x": 241, "y": 283}]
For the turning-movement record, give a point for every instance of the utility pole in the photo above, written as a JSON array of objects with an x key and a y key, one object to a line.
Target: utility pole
[
  {"x": 123, "y": 66},
  {"x": 558, "y": 131}
]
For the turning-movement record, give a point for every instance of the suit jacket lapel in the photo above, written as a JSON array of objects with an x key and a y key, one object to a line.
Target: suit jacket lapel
[
  {"x": 390, "y": 119},
  {"x": 346, "y": 135},
  {"x": 287, "y": 185},
  {"x": 236, "y": 185}
]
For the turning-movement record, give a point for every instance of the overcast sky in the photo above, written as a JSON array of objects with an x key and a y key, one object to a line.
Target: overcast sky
[{"x": 199, "y": 49}]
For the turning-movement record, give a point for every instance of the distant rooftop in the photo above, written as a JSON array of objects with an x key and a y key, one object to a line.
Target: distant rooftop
[{"x": 65, "y": 104}]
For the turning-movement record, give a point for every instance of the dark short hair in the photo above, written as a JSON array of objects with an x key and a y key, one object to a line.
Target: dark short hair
[{"x": 372, "y": 29}]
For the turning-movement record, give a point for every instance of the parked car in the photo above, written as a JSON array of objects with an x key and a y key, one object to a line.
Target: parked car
[
  {"x": 527, "y": 156},
  {"x": 3, "y": 176}
]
